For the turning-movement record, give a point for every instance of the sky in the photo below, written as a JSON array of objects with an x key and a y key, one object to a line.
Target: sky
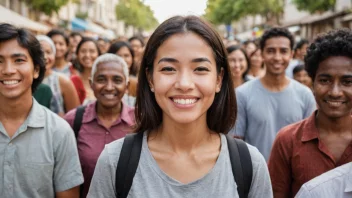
[{"x": 164, "y": 9}]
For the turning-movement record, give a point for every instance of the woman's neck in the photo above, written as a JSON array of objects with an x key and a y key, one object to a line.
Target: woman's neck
[
  {"x": 86, "y": 73},
  {"x": 183, "y": 137},
  {"x": 60, "y": 63},
  {"x": 237, "y": 81},
  {"x": 48, "y": 72},
  {"x": 255, "y": 71}
]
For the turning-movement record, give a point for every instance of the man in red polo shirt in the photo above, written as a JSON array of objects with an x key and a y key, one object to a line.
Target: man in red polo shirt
[{"x": 323, "y": 141}]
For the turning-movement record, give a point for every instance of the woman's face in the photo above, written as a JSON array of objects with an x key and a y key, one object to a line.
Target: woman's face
[
  {"x": 256, "y": 59},
  {"x": 49, "y": 55},
  {"x": 238, "y": 63},
  {"x": 60, "y": 45},
  {"x": 87, "y": 54},
  {"x": 125, "y": 53},
  {"x": 185, "y": 78}
]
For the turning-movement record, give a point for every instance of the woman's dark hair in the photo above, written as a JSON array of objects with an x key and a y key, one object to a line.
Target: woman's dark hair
[
  {"x": 137, "y": 38},
  {"x": 115, "y": 47},
  {"x": 333, "y": 43},
  {"x": 26, "y": 40},
  {"x": 221, "y": 115},
  {"x": 277, "y": 32},
  {"x": 77, "y": 64},
  {"x": 233, "y": 48},
  {"x": 61, "y": 33}
]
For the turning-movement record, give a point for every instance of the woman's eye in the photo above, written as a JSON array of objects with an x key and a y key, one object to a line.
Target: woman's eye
[
  {"x": 324, "y": 81},
  {"x": 202, "y": 69},
  {"x": 167, "y": 69}
]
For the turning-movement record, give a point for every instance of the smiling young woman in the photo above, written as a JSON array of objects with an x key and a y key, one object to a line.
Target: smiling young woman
[{"x": 182, "y": 91}]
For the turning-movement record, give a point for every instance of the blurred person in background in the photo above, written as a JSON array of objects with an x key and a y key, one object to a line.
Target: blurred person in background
[
  {"x": 61, "y": 42},
  {"x": 273, "y": 101},
  {"x": 64, "y": 96},
  {"x": 103, "y": 44},
  {"x": 106, "y": 119},
  {"x": 74, "y": 39},
  {"x": 87, "y": 51},
  {"x": 137, "y": 44},
  {"x": 301, "y": 75},
  {"x": 257, "y": 67},
  {"x": 124, "y": 50},
  {"x": 249, "y": 46},
  {"x": 239, "y": 64},
  {"x": 298, "y": 56}
]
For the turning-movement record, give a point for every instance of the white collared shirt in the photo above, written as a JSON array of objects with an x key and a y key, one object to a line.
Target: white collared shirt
[{"x": 335, "y": 183}]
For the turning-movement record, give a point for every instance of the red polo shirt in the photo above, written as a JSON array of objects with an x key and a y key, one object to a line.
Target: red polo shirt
[
  {"x": 93, "y": 136},
  {"x": 298, "y": 155}
]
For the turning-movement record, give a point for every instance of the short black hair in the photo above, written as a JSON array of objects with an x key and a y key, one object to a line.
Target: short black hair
[
  {"x": 276, "y": 32},
  {"x": 59, "y": 32},
  {"x": 73, "y": 34},
  {"x": 334, "y": 43},
  {"x": 137, "y": 38},
  {"x": 26, "y": 40},
  {"x": 233, "y": 48},
  {"x": 298, "y": 68},
  {"x": 300, "y": 43}
]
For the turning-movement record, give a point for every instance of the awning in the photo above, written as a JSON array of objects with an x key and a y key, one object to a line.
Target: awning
[
  {"x": 8, "y": 16},
  {"x": 347, "y": 17},
  {"x": 315, "y": 18},
  {"x": 95, "y": 28},
  {"x": 78, "y": 24}
]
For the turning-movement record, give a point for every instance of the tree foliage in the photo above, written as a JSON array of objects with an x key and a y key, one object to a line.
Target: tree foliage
[
  {"x": 135, "y": 13},
  {"x": 226, "y": 11},
  {"x": 314, "y": 6},
  {"x": 46, "y": 6}
]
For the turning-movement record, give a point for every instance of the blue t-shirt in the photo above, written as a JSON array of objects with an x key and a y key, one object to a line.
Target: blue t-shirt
[{"x": 262, "y": 113}]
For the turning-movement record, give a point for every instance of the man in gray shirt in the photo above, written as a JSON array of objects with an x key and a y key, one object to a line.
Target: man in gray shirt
[
  {"x": 266, "y": 105},
  {"x": 38, "y": 152}
]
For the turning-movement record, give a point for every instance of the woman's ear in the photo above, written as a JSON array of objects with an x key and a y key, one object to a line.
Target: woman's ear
[
  {"x": 150, "y": 79},
  {"x": 219, "y": 80}
]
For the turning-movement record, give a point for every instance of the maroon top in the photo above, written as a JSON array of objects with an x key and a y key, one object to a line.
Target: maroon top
[
  {"x": 298, "y": 155},
  {"x": 93, "y": 136}
]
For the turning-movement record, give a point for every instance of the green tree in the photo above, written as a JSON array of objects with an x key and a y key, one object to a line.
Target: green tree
[
  {"x": 135, "y": 13},
  {"x": 46, "y": 6},
  {"x": 314, "y": 6},
  {"x": 226, "y": 11}
]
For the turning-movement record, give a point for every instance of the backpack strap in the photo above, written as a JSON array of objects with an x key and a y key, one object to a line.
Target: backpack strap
[
  {"x": 241, "y": 163},
  {"x": 128, "y": 163},
  {"x": 77, "y": 122}
]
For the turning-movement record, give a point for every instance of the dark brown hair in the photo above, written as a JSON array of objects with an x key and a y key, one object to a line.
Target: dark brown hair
[{"x": 221, "y": 115}]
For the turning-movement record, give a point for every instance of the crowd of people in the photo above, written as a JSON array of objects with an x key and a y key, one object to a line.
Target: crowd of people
[{"x": 185, "y": 114}]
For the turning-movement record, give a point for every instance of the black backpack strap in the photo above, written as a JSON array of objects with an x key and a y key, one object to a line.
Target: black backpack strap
[
  {"x": 128, "y": 163},
  {"x": 241, "y": 163},
  {"x": 77, "y": 122}
]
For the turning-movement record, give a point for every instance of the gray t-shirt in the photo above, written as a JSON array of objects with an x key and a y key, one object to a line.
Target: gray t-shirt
[
  {"x": 262, "y": 113},
  {"x": 150, "y": 181}
]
